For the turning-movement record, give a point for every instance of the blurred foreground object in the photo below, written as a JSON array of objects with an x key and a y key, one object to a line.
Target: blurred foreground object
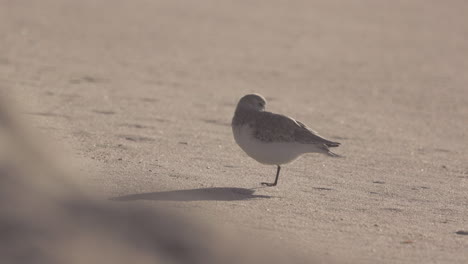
[{"x": 45, "y": 219}]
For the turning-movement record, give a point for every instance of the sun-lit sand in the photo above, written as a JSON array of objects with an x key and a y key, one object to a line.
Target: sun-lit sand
[{"x": 140, "y": 95}]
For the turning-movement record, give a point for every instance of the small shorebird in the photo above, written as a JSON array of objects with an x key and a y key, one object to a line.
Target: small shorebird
[{"x": 272, "y": 138}]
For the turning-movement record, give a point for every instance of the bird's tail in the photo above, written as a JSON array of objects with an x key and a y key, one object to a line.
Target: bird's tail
[
  {"x": 324, "y": 149},
  {"x": 332, "y": 144},
  {"x": 331, "y": 154}
]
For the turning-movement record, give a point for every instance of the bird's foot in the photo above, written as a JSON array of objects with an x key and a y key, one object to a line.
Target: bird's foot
[{"x": 268, "y": 184}]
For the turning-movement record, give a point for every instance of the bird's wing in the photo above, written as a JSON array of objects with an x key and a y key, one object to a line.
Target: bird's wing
[
  {"x": 270, "y": 127},
  {"x": 307, "y": 135}
]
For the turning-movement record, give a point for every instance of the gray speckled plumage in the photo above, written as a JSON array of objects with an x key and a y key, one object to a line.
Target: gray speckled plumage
[{"x": 271, "y": 127}]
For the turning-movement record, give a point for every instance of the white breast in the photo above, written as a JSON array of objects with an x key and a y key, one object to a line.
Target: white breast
[{"x": 273, "y": 153}]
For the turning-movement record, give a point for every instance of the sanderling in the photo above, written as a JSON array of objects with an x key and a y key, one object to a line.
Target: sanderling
[{"x": 272, "y": 138}]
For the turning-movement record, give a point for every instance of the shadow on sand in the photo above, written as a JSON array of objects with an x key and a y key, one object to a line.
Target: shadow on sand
[{"x": 202, "y": 194}]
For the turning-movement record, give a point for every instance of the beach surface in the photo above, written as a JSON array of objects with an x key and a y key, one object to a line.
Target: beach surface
[{"x": 139, "y": 96}]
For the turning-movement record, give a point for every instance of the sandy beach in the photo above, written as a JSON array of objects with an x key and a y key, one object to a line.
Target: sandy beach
[{"x": 139, "y": 95}]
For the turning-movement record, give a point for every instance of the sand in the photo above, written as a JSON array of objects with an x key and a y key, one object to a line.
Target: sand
[{"x": 140, "y": 95}]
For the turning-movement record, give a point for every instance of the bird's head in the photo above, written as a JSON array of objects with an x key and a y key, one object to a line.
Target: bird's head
[{"x": 252, "y": 102}]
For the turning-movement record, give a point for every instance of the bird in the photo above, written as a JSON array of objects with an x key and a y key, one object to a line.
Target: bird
[{"x": 274, "y": 139}]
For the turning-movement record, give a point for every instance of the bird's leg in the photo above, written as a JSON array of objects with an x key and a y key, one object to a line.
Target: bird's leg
[{"x": 276, "y": 180}]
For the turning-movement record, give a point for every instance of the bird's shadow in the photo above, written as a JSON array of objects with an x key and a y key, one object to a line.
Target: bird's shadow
[{"x": 201, "y": 194}]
